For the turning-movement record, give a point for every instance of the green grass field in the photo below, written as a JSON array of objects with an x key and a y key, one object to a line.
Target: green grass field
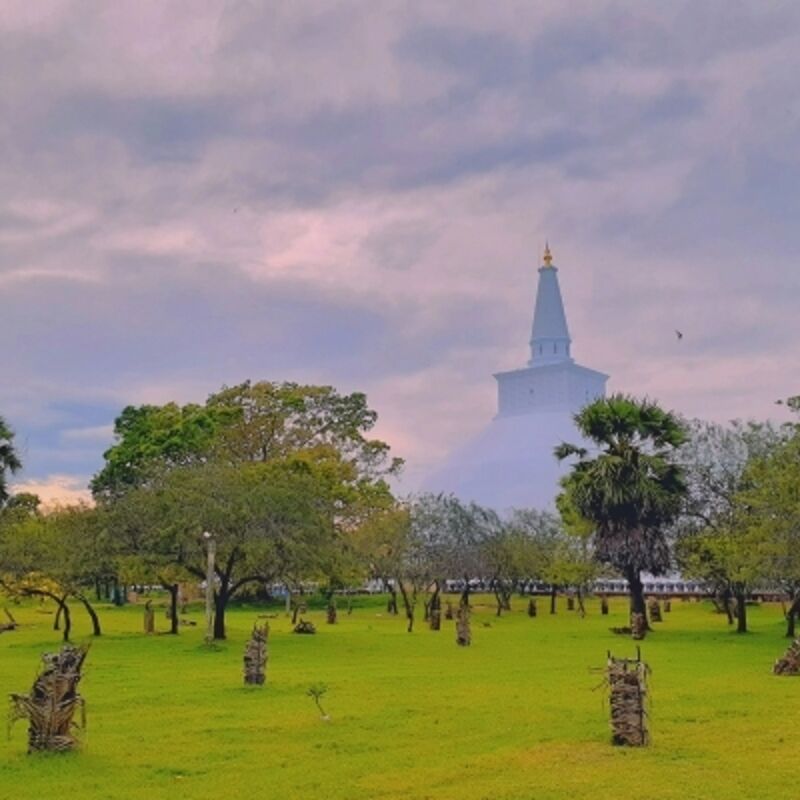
[{"x": 517, "y": 715}]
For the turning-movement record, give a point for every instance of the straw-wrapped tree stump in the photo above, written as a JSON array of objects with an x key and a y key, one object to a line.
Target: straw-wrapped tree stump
[
  {"x": 532, "y": 607},
  {"x": 604, "y": 606},
  {"x": 50, "y": 707},
  {"x": 463, "y": 630},
  {"x": 448, "y": 612},
  {"x": 304, "y": 626},
  {"x": 667, "y": 606},
  {"x": 627, "y": 683},
  {"x": 570, "y": 603},
  {"x": 789, "y": 663},
  {"x": 654, "y": 607},
  {"x": 255, "y": 656},
  {"x": 149, "y": 618},
  {"x": 435, "y": 615},
  {"x": 638, "y": 625}
]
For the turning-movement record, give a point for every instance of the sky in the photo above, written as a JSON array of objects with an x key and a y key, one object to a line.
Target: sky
[{"x": 358, "y": 194}]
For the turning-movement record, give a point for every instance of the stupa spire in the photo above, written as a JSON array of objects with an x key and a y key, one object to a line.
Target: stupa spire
[{"x": 550, "y": 340}]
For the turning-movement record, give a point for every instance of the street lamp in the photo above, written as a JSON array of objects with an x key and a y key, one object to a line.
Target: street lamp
[{"x": 211, "y": 546}]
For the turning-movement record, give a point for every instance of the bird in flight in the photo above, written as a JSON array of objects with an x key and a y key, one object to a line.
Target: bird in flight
[{"x": 679, "y": 334}]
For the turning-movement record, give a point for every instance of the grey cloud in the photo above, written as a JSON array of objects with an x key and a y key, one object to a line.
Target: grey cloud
[{"x": 309, "y": 108}]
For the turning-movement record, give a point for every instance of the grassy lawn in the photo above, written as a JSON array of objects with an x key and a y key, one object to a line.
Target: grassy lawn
[{"x": 517, "y": 715}]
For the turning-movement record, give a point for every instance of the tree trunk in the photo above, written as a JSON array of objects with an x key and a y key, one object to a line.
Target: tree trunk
[
  {"x": 465, "y": 594},
  {"x": 62, "y": 612},
  {"x": 391, "y": 605},
  {"x": 638, "y": 609},
  {"x": 499, "y": 599},
  {"x": 92, "y": 615},
  {"x": 408, "y": 605},
  {"x": 791, "y": 616},
  {"x": 332, "y": 613},
  {"x": 220, "y": 604},
  {"x": 553, "y": 591},
  {"x": 435, "y": 610},
  {"x": 581, "y": 606},
  {"x": 57, "y": 619},
  {"x": 67, "y": 620},
  {"x": 172, "y": 588},
  {"x": 741, "y": 611},
  {"x": 726, "y": 601}
]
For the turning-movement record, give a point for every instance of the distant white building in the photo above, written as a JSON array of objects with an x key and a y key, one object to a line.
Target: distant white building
[{"x": 510, "y": 464}]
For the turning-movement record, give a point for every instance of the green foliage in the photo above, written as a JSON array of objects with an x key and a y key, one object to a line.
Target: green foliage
[
  {"x": 733, "y": 473},
  {"x": 68, "y": 548},
  {"x": 632, "y": 489},
  {"x": 151, "y": 438},
  {"x": 9, "y": 459},
  {"x": 250, "y": 422},
  {"x": 771, "y": 496}
]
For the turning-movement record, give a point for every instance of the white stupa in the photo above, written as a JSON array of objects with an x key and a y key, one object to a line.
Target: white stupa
[{"x": 510, "y": 464}]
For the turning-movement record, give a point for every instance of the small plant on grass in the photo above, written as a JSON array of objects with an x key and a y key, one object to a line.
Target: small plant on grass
[{"x": 317, "y": 692}]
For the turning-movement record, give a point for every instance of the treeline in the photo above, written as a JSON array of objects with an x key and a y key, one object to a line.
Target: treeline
[{"x": 293, "y": 489}]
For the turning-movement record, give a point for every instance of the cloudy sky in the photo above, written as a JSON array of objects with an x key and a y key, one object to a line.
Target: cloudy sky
[{"x": 357, "y": 193}]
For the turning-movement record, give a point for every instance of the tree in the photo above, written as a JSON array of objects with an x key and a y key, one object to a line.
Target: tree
[
  {"x": 276, "y": 472},
  {"x": 150, "y": 542},
  {"x": 381, "y": 543},
  {"x": 716, "y": 542},
  {"x": 250, "y": 422},
  {"x": 271, "y": 520},
  {"x": 9, "y": 460},
  {"x": 631, "y": 490},
  {"x": 57, "y": 555},
  {"x": 771, "y": 494},
  {"x": 516, "y": 551}
]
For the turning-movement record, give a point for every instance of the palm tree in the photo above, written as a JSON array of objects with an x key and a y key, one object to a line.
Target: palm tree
[
  {"x": 9, "y": 461},
  {"x": 629, "y": 489}
]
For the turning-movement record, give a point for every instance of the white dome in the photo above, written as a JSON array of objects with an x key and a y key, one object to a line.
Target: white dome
[{"x": 510, "y": 464}]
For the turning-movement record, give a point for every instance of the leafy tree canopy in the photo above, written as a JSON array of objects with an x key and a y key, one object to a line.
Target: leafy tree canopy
[{"x": 249, "y": 422}]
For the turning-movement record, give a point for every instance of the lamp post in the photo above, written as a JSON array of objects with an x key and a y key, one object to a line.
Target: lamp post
[{"x": 211, "y": 546}]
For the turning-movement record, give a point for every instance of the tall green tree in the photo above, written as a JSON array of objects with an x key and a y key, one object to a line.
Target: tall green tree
[
  {"x": 9, "y": 459},
  {"x": 631, "y": 489},
  {"x": 716, "y": 538},
  {"x": 249, "y": 422},
  {"x": 770, "y": 494},
  {"x": 287, "y": 518}
]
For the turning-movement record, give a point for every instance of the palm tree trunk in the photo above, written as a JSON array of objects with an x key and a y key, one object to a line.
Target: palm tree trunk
[{"x": 638, "y": 608}]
